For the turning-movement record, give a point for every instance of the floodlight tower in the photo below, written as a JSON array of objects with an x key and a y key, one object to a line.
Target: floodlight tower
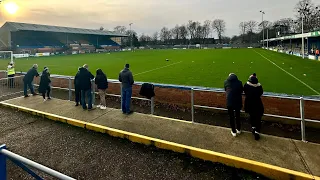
[
  {"x": 262, "y": 13},
  {"x": 304, "y": 12},
  {"x": 131, "y": 36}
]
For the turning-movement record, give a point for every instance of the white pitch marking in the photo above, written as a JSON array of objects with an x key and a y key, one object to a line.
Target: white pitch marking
[
  {"x": 157, "y": 68},
  {"x": 289, "y": 73}
]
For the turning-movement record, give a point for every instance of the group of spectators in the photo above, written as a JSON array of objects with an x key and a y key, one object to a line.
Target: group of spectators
[
  {"x": 253, "y": 104},
  {"x": 83, "y": 86}
]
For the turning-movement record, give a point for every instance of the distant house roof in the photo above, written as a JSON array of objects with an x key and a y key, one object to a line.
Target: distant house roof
[{"x": 15, "y": 26}]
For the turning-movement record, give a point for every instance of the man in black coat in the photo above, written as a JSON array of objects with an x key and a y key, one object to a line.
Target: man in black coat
[
  {"x": 126, "y": 79},
  {"x": 28, "y": 78},
  {"x": 253, "y": 104},
  {"x": 85, "y": 78},
  {"x": 44, "y": 85},
  {"x": 77, "y": 88},
  {"x": 234, "y": 89}
]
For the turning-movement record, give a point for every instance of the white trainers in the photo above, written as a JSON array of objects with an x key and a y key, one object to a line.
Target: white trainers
[
  {"x": 238, "y": 132},
  {"x": 98, "y": 106},
  {"x": 234, "y": 134},
  {"x": 44, "y": 100},
  {"x": 103, "y": 107}
]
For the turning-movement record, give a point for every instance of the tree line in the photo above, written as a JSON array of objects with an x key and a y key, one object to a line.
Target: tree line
[{"x": 195, "y": 32}]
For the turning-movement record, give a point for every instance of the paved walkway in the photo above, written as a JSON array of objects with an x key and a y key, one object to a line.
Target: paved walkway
[{"x": 282, "y": 152}]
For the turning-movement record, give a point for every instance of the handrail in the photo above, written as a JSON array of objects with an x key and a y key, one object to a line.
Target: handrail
[{"x": 35, "y": 165}]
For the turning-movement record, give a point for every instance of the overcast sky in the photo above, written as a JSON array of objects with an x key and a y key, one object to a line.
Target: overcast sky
[{"x": 147, "y": 16}]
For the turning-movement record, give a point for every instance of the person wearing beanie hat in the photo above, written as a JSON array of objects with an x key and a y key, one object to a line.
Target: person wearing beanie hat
[
  {"x": 28, "y": 79},
  {"x": 84, "y": 78},
  {"x": 44, "y": 85},
  {"x": 126, "y": 79},
  {"x": 253, "y": 104},
  {"x": 234, "y": 89}
]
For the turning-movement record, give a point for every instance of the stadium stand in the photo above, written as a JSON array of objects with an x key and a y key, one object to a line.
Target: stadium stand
[{"x": 22, "y": 37}]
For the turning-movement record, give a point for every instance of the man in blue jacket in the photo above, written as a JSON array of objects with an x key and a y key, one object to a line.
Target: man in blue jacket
[
  {"x": 126, "y": 79},
  {"x": 28, "y": 78}
]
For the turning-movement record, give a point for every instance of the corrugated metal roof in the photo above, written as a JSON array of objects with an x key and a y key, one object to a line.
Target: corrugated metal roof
[{"x": 38, "y": 27}]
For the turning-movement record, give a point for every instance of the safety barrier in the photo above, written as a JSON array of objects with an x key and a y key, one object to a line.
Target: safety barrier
[
  {"x": 302, "y": 100},
  {"x": 11, "y": 86},
  {"x": 24, "y": 164}
]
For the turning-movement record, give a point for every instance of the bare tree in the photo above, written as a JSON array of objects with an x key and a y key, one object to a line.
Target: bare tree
[
  {"x": 307, "y": 10},
  {"x": 243, "y": 29},
  {"x": 219, "y": 26},
  {"x": 176, "y": 33},
  {"x": 120, "y": 29},
  {"x": 165, "y": 35},
  {"x": 155, "y": 37},
  {"x": 192, "y": 28},
  {"x": 251, "y": 28},
  {"x": 206, "y": 29},
  {"x": 183, "y": 33}
]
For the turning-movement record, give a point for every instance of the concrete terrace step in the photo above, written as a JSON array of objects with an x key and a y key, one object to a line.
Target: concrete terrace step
[{"x": 282, "y": 152}]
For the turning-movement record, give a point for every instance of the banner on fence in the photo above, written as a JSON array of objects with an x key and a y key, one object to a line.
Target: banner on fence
[
  {"x": 42, "y": 54},
  {"x": 20, "y": 55}
]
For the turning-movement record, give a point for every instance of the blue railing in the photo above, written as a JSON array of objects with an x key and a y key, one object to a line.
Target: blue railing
[{"x": 24, "y": 164}]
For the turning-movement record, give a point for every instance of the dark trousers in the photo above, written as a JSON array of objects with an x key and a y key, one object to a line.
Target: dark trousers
[
  {"x": 84, "y": 94},
  {"x": 255, "y": 121},
  {"x": 126, "y": 99},
  {"x": 234, "y": 115},
  {"x": 11, "y": 81},
  {"x": 25, "y": 88},
  {"x": 48, "y": 90},
  {"x": 78, "y": 96}
]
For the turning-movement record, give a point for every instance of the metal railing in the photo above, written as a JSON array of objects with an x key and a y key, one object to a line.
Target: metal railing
[
  {"x": 25, "y": 163},
  {"x": 11, "y": 86},
  {"x": 192, "y": 90}
]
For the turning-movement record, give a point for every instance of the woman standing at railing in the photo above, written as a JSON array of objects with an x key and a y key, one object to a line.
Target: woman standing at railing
[
  {"x": 44, "y": 86},
  {"x": 253, "y": 104},
  {"x": 102, "y": 85}
]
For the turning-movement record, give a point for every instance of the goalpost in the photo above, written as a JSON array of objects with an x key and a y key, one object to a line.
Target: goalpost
[{"x": 7, "y": 55}]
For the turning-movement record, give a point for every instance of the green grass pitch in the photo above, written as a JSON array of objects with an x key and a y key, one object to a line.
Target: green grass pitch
[{"x": 208, "y": 68}]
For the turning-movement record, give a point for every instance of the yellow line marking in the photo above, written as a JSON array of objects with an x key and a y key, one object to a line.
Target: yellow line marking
[{"x": 258, "y": 167}]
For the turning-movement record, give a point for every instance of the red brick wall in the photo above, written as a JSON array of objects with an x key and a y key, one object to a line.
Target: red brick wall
[{"x": 178, "y": 97}]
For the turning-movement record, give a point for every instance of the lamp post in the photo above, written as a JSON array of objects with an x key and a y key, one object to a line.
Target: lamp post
[
  {"x": 262, "y": 13},
  {"x": 131, "y": 36},
  {"x": 304, "y": 11}
]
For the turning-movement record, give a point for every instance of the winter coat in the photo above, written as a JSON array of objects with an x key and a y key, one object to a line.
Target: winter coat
[
  {"x": 101, "y": 81},
  {"x": 44, "y": 82},
  {"x": 84, "y": 78},
  {"x": 28, "y": 78},
  {"x": 76, "y": 81},
  {"x": 147, "y": 90},
  {"x": 234, "y": 89},
  {"x": 126, "y": 78},
  {"x": 253, "y": 103}
]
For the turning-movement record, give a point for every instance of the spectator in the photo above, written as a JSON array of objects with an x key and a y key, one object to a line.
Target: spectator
[
  {"x": 85, "y": 78},
  {"x": 126, "y": 79},
  {"x": 253, "y": 104},
  {"x": 102, "y": 85},
  {"x": 28, "y": 78},
  {"x": 77, "y": 88},
  {"x": 317, "y": 54},
  {"x": 44, "y": 86},
  {"x": 11, "y": 72},
  {"x": 234, "y": 89}
]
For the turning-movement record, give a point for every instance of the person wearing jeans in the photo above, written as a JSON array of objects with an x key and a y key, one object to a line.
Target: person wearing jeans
[
  {"x": 84, "y": 76},
  {"x": 234, "y": 89},
  {"x": 28, "y": 78},
  {"x": 126, "y": 79}
]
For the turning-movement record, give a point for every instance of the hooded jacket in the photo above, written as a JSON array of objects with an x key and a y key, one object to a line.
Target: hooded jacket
[
  {"x": 253, "y": 91},
  {"x": 234, "y": 89},
  {"x": 84, "y": 78},
  {"x": 44, "y": 82},
  {"x": 126, "y": 78},
  {"x": 101, "y": 80}
]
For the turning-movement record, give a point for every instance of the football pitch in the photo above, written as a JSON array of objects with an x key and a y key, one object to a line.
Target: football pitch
[{"x": 278, "y": 73}]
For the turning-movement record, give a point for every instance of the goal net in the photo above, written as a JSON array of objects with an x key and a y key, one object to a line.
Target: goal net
[{"x": 6, "y": 56}]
